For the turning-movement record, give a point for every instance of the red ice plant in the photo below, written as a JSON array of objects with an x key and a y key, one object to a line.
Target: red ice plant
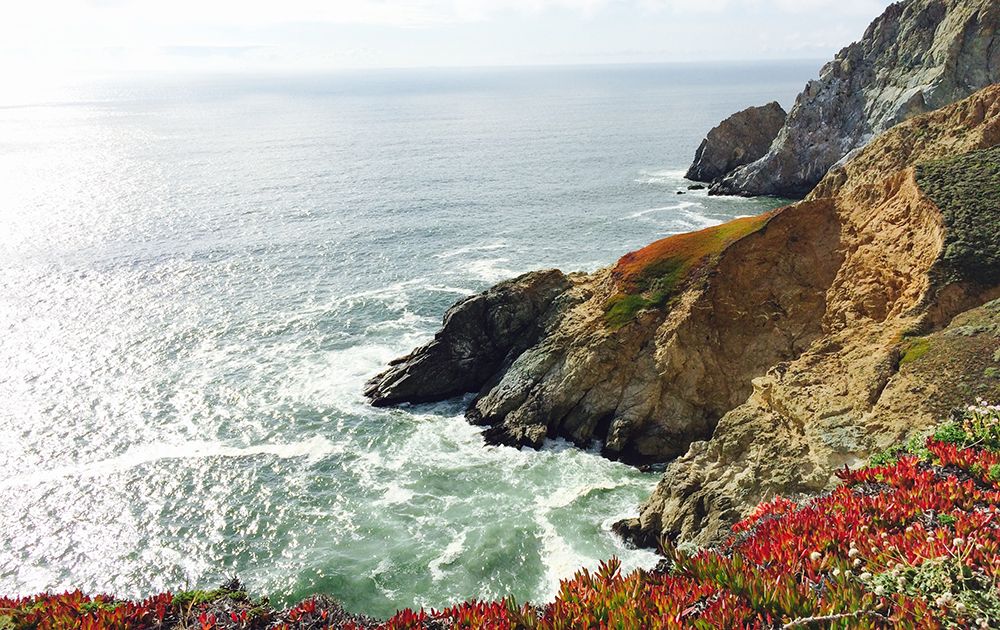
[{"x": 853, "y": 558}]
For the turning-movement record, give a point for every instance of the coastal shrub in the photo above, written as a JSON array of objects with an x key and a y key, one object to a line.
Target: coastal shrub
[
  {"x": 910, "y": 541},
  {"x": 967, "y": 190},
  {"x": 651, "y": 276}
]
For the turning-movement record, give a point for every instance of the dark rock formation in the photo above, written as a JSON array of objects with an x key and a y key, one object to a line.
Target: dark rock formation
[
  {"x": 481, "y": 335},
  {"x": 918, "y": 56},
  {"x": 740, "y": 139}
]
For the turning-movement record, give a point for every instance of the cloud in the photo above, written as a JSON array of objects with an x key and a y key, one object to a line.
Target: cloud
[
  {"x": 78, "y": 35},
  {"x": 397, "y": 13}
]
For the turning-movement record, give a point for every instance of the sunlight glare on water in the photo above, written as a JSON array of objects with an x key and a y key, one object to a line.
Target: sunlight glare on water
[{"x": 196, "y": 279}]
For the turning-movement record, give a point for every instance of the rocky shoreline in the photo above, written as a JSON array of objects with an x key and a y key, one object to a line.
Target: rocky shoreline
[{"x": 759, "y": 356}]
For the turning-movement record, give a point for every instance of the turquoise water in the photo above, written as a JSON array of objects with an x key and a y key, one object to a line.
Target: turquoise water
[{"x": 197, "y": 277}]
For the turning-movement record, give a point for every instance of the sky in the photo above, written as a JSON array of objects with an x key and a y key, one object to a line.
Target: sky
[{"x": 44, "y": 39}]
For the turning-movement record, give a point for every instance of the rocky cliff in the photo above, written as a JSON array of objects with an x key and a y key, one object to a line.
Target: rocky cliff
[
  {"x": 918, "y": 56},
  {"x": 766, "y": 352},
  {"x": 646, "y": 356},
  {"x": 918, "y": 218},
  {"x": 740, "y": 139}
]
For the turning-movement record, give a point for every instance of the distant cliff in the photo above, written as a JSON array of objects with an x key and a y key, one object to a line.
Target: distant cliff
[{"x": 920, "y": 55}]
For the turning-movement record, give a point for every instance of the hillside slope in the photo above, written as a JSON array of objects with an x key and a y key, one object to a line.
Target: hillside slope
[{"x": 909, "y": 267}]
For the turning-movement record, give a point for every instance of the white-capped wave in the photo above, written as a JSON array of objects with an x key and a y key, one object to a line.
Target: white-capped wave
[
  {"x": 450, "y": 554},
  {"x": 696, "y": 220},
  {"x": 489, "y": 269},
  {"x": 565, "y": 496},
  {"x": 461, "y": 251},
  {"x": 662, "y": 176},
  {"x": 561, "y": 560},
  {"x": 677, "y": 206}
]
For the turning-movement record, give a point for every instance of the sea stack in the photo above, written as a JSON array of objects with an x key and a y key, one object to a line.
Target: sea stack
[{"x": 740, "y": 139}]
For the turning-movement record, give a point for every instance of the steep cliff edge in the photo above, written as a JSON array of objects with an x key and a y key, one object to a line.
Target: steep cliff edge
[
  {"x": 647, "y": 355},
  {"x": 919, "y": 217},
  {"x": 918, "y": 56}
]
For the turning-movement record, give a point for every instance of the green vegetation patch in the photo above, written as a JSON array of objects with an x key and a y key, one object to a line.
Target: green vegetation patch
[
  {"x": 916, "y": 349},
  {"x": 655, "y": 274},
  {"x": 967, "y": 190},
  {"x": 187, "y": 599}
]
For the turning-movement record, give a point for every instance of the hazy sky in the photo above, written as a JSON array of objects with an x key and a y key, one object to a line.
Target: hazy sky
[{"x": 39, "y": 38}]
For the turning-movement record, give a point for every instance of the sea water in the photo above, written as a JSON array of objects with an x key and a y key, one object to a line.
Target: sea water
[{"x": 197, "y": 276}]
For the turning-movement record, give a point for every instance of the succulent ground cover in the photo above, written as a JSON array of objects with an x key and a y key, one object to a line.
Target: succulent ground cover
[
  {"x": 910, "y": 541},
  {"x": 649, "y": 277}
]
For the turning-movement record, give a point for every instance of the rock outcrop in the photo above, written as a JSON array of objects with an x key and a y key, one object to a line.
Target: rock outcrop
[
  {"x": 740, "y": 139},
  {"x": 481, "y": 336},
  {"x": 918, "y": 56},
  {"x": 646, "y": 356}
]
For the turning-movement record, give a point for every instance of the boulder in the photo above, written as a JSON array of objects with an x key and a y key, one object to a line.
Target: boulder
[{"x": 480, "y": 336}]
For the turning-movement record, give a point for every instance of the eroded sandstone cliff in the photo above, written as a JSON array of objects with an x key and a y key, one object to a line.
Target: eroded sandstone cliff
[
  {"x": 870, "y": 378},
  {"x": 918, "y": 56}
]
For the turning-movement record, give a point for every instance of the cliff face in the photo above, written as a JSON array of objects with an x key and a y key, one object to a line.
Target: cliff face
[
  {"x": 740, "y": 139},
  {"x": 645, "y": 356},
  {"x": 918, "y": 56},
  {"x": 874, "y": 375},
  {"x": 765, "y": 352}
]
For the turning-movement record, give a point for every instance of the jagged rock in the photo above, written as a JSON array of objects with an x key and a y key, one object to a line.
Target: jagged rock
[
  {"x": 481, "y": 335},
  {"x": 918, "y": 56},
  {"x": 740, "y": 139},
  {"x": 866, "y": 382}
]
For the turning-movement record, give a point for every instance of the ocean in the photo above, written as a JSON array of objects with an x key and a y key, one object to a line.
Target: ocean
[{"x": 198, "y": 274}]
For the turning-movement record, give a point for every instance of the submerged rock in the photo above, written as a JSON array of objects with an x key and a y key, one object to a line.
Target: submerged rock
[
  {"x": 918, "y": 56},
  {"x": 740, "y": 139}
]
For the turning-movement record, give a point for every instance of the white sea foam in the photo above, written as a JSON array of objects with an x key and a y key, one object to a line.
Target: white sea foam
[
  {"x": 461, "y": 251},
  {"x": 488, "y": 269},
  {"x": 447, "y": 289},
  {"x": 697, "y": 220},
  {"x": 664, "y": 176},
  {"x": 396, "y": 494},
  {"x": 450, "y": 554},
  {"x": 678, "y": 206},
  {"x": 563, "y": 497},
  {"x": 561, "y": 560}
]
